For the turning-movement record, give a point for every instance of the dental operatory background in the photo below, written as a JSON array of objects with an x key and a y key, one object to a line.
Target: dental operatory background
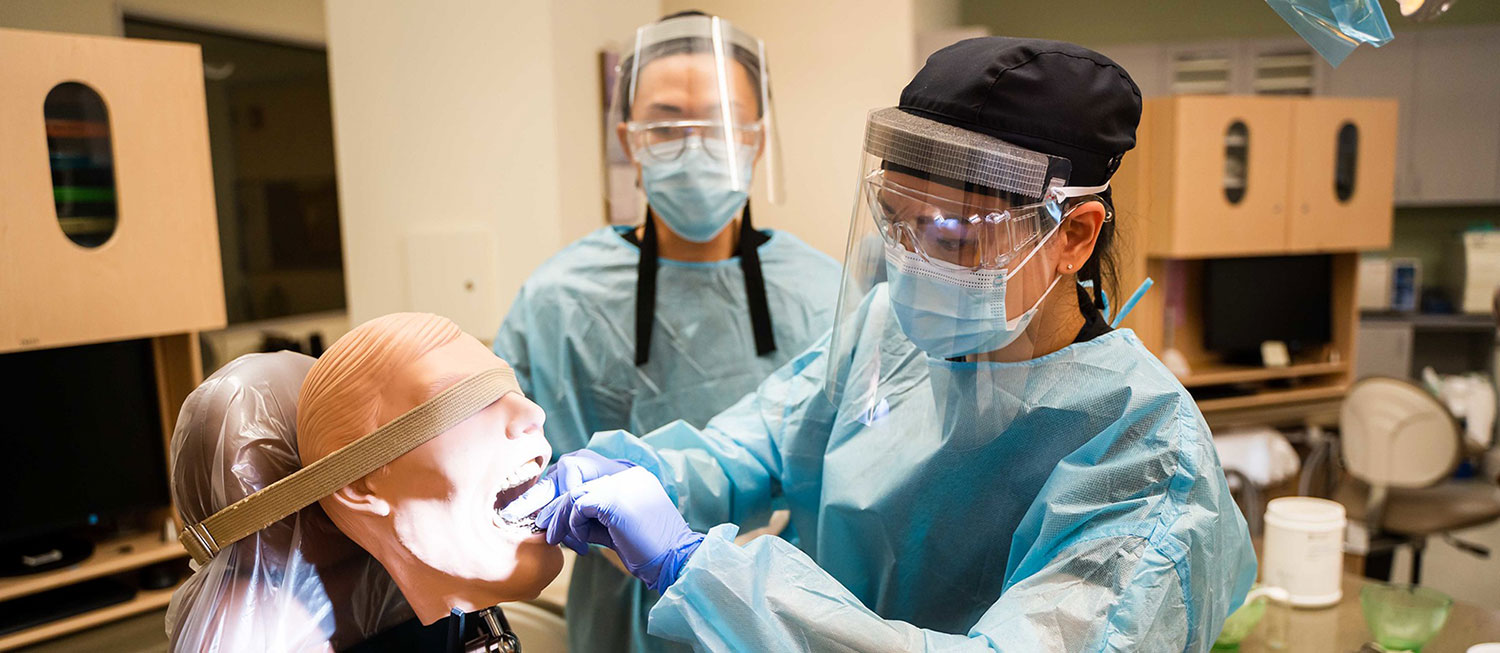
[{"x": 1314, "y": 193}]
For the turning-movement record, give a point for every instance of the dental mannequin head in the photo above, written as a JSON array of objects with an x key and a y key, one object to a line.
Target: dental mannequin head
[
  {"x": 429, "y": 516},
  {"x": 296, "y": 585}
]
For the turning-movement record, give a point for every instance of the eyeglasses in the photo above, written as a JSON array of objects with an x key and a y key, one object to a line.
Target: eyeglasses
[
  {"x": 975, "y": 232},
  {"x": 662, "y": 141}
]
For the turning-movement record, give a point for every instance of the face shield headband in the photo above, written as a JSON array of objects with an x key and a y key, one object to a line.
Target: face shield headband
[
  {"x": 961, "y": 199},
  {"x": 348, "y": 464}
]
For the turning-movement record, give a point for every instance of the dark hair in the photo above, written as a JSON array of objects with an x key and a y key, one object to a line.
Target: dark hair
[{"x": 749, "y": 60}]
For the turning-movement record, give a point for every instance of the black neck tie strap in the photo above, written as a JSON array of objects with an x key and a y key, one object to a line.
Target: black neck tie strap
[
  {"x": 755, "y": 285},
  {"x": 645, "y": 293},
  {"x": 755, "y": 288}
]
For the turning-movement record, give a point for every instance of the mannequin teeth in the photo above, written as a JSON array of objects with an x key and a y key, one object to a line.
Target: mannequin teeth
[
  {"x": 527, "y": 523},
  {"x": 503, "y": 498},
  {"x": 521, "y": 475}
]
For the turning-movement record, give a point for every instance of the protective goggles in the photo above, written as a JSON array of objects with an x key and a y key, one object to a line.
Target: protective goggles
[
  {"x": 960, "y": 198},
  {"x": 959, "y": 228},
  {"x": 665, "y": 141}
]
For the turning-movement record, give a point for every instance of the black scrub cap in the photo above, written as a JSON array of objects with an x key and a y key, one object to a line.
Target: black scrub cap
[{"x": 1048, "y": 96}]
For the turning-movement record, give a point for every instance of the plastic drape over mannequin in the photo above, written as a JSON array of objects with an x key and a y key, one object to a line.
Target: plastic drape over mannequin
[{"x": 298, "y": 584}]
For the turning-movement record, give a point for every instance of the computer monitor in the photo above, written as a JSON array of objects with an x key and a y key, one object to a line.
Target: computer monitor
[
  {"x": 1247, "y": 301},
  {"x": 81, "y": 435}
]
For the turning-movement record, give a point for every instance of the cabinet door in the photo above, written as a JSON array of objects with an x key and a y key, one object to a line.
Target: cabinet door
[
  {"x": 1229, "y": 176},
  {"x": 1455, "y": 136},
  {"x": 1342, "y": 171},
  {"x": 1384, "y": 72}
]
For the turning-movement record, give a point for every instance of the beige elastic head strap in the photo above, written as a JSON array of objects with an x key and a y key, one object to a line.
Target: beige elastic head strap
[{"x": 347, "y": 465}]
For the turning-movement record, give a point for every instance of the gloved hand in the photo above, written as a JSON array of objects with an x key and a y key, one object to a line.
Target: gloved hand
[
  {"x": 629, "y": 512},
  {"x": 570, "y": 471}
]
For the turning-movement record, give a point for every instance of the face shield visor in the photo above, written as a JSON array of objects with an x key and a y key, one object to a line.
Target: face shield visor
[
  {"x": 692, "y": 108},
  {"x": 952, "y": 237}
]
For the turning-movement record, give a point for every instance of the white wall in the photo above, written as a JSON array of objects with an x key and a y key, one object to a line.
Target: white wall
[
  {"x": 444, "y": 119},
  {"x": 831, "y": 63},
  {"x": 937, "y": 14},
  {"x": 466, "y": 117},
  {"x": 583, "y": 29}
]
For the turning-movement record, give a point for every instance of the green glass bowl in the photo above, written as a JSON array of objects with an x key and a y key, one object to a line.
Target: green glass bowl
[
  {"x": 1240, "y": 623},
  {"x": 1403, "y": 617}
]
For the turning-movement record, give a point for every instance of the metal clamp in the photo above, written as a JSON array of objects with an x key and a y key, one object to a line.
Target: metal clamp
[
  {"x": 495, "y": 634},
  {"x": 200, "y": 544}
]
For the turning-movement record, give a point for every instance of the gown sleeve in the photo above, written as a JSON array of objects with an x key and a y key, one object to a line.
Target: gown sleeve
[
  {"x": 769, "y": 596},
  {"x": 1133, "y": 543},
  {"x": 1120, "y": 578},
  {"x": 731, "y": 470}
]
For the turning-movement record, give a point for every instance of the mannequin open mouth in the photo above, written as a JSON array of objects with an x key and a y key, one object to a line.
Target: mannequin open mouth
[{"x": 512, "y": 487}]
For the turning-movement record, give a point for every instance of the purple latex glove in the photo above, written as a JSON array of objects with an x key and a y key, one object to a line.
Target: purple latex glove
[
  {"x": 570, "y": 471},
  {"x": 630, "y": 512}
]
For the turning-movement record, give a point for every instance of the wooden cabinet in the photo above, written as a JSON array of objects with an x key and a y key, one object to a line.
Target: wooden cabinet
[
  {"x": 155, "y": 268},
  {"x": 1252, "y": 175},
  {"x": 1342, "y": 171},
  {"x": 1209, "y": 198}
]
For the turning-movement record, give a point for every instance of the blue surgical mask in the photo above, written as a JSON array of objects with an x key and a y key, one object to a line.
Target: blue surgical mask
[
  {"x": 951, "y": 312},
  {"x": 695, "y": 193}
]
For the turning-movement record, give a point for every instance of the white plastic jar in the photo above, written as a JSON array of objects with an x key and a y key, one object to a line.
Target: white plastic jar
[{"x": 1304, "y": 550}]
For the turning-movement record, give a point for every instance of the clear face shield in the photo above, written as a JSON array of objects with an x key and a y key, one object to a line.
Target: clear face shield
[
  {"x": 952, "y": 238},
  {"x": 692, "y": 111}
]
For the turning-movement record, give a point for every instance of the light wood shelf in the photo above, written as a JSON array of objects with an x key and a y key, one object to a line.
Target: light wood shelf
[
  {"x": 110, "y": 557},
  {"x": 144, "y": 601},
  {"x": 1231, "y": 374},
  {"x": 1272, "y": 398}
]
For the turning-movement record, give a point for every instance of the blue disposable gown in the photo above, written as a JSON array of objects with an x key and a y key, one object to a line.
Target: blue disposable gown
[
  {"x": 1069, "y": 503},
  {"x": 570, "y": 336}
]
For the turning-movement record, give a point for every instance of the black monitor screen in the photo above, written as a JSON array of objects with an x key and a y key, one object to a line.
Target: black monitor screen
[
  {"x": 83, "y": 434},
  {"x": 1247, "y": 301}
]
